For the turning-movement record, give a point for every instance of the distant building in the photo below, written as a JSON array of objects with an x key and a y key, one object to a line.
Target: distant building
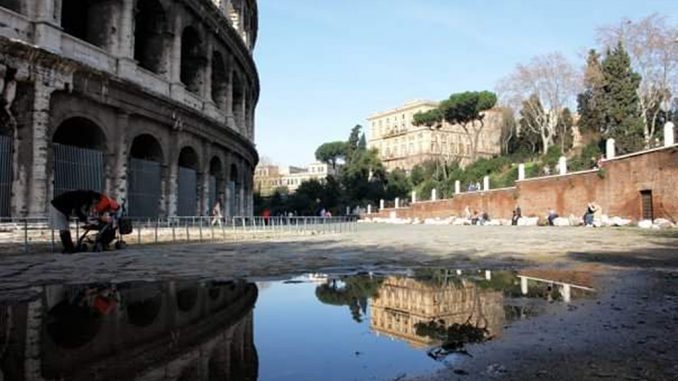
[
  {"x": 402, "y": 303},
  {"x": 267, "y": 178},
  {"x": 404, "y": 145}
]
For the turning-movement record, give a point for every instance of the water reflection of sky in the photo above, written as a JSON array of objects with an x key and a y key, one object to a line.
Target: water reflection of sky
[{"x": 299, "y": 338}]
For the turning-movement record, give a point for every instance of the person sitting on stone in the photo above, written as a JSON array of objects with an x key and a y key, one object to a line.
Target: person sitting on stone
[
  {"x": 484, "y": 218},
  {"x": 591, "y": 209},
  {"x": 551, "y": 216},
  {"x": 517, "y": 214}
]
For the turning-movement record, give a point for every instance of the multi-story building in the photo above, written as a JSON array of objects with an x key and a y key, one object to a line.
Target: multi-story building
[
  {"x": 269, "y": 177},
  {"x": 403, "y": 145},
  {"x": 402, "y": 303},
  {"x": 152, "y": 101}
]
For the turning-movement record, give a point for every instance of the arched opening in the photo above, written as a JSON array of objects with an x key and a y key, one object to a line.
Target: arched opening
[
  {"x": 78, "y": 149},
  {"x": 189, "y": 373},
  {"x": 13, "y": 5},
  {"x": 192, "y": 59},
  {"x": 150, "y": 24},
  {"x": 6, "y": 154},
  {"x": 90, "y": 21},
  {"x": 219, "y": 81},
  {"x": 234, "y": 191},
  {"x": 143, "y": 313},
  {"x": 239, "y": 103},
  {"x": 215, "y": 182},
  {"x": 145, "y": 177},
  {"x": 72, "y": 325},
  {"x": 187, "y": 181},
  {"x": 187, "y": 298}
]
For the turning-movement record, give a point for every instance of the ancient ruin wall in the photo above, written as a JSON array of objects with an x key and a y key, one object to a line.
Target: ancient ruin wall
[{"x": 616, "y": 188}]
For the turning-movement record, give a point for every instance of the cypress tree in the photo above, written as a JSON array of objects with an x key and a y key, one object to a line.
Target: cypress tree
[
  {"x": 590, "y": 103},
  {"x": 622, "y": 119}
]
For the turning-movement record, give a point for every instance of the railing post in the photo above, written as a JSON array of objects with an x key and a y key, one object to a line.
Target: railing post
[
  {"x": 486, "y": 183},
  {"x": 669, "y": 138},
  {"x": 188, "y": 235},
  {"x": 434, "y": 196},
  {"x": 457, "y": 186},
  {"x": 157, "y": 222},
  {"x": 25, "y": 236},
  {"x": 174, "y": 230},
  {"x": 200, "y": 227},
  {"x": 521, "y": 172}
]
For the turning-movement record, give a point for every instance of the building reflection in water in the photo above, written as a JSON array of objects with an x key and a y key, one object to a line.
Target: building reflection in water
[
  {"x": 403, "y": 304},
  {"x": 143, "y": 331}
]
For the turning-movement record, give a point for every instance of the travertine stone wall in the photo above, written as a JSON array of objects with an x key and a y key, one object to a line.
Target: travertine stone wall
[{"x": 60, "y": 60}]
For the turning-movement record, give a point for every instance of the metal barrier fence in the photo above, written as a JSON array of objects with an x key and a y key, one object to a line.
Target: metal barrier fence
[{"x": 35, "y": 234}]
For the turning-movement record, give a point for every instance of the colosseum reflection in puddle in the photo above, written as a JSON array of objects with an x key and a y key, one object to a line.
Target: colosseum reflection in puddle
[
  {"x": 149, "y": 331},
  {"x": 152, "y": 100}
]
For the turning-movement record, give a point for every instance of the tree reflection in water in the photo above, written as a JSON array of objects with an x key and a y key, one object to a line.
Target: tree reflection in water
[
  {"x": 453, "y": 337},
  {"x": 354, "y": 293}
]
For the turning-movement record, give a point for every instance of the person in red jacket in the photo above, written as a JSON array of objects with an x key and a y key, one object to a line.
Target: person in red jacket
[{"x": 82, "y": 204}]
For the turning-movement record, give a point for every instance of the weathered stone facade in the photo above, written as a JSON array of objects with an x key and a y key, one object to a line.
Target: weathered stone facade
[{"x": 170, "y": 82}]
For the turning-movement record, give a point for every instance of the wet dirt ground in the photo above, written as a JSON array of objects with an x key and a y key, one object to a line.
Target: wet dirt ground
[{"x": 627, "y": 332}]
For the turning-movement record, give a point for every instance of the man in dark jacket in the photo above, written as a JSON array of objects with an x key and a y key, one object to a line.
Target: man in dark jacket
[{"x": 82, "y": 204}]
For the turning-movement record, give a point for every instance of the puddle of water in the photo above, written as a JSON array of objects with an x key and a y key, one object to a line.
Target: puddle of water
[{"x": 369, "y": 326}]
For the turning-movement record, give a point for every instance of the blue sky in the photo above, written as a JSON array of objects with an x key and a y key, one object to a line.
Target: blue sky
[{"x": 325, "y": 65}]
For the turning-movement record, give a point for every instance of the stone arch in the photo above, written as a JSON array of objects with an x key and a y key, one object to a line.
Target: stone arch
[
  {"x": 145, "y": 174},
  {"x": 239, "y": 102},
  {"x": 215, "y": 182},
  {"x": 187, "y": 182},
  {"x": 91, "y": 21},
  {"x": 150, "y": 48},
  {"x": 187, "y": 298},
  {"x": 72, "y": 325},
  {"x": 78, "y": 155},
  {"x": 13, "y": 5},
  {"x": 143, "y": 313},
  {"x": 234, "y": 190},
  {"x": 219, "y": 80},
  {"x": 192, "y": 59}
]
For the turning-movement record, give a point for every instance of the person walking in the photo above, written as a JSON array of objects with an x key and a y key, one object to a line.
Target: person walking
[{"x": 216, "y": 213}]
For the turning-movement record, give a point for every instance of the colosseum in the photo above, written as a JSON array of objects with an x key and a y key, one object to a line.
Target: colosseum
[{"x": 148, "y": 100}]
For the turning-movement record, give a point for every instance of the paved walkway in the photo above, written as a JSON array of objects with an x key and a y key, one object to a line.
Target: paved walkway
[{"x": 373, "y": 246}]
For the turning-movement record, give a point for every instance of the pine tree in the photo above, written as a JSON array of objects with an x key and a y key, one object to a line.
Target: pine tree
[
  {"x": 590, "y": 102},
  {"x": 622, "y": 120}
]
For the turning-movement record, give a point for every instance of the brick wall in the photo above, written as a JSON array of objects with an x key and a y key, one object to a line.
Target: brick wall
[{"x": 616, "y": 189}]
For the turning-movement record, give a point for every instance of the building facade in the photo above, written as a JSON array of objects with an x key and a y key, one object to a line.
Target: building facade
[
  {"x": 404, "y": 145},
  {"x": 402, "y": 303},
  {"x": 267, "y": 178},
  {"x": 151, "y": 101}
]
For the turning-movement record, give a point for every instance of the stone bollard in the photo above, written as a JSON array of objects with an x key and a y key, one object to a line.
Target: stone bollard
[
  {"x": 609, "y": 149},
  {"x": 669, "y": 138},
  {"x": 434, "y": 196},
  {"x": 369, "y": 208},
  {"x": 486, "y": 183},
  {"x": 521, "y": 171},
  {"x": 414, "y": 197},
  {"x": 457, "y": 186},
  {"x": 562, "y": 165},
  {"x": 397, "y": 202},
  {"x": 381, "y": 204},
  {"x": 348, "y": 210}
]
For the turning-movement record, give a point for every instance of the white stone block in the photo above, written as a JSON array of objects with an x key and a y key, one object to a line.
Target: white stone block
[
  {"x": 521, "y": 171},
  {"x": 663, "y": 223},
  {"x": 645, "y": 224},
  {"x": 528, "y": 221},
  {"x": 669, "y": 138},
  {"x": 609, "y": 149},
  {"x": 561, "y": 221}
]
